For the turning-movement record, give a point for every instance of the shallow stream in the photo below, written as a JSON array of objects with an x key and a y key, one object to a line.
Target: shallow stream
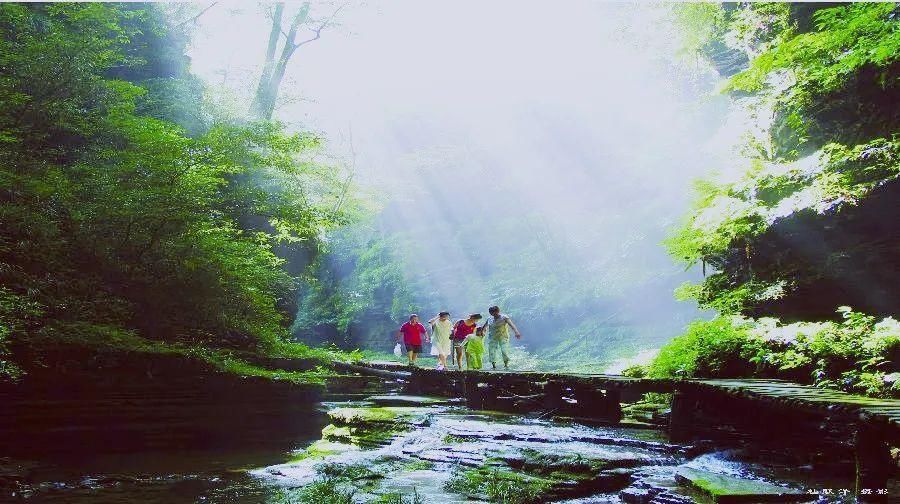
[{"x": 400, "y": 449}]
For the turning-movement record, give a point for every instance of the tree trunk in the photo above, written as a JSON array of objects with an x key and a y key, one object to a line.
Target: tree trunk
[
  {"x": 257, "y": 108},
  {"x": 263, "y": 105}
]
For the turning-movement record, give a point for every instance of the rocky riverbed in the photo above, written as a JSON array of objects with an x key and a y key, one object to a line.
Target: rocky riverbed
[
  {"x": 406, "y": 449},
  {"x": 432, "y": 450}
]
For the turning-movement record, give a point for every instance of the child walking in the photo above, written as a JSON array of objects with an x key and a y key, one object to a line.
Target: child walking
[
  {"x": 474, "y": 345},
  {"x": 461, "y": 330}
]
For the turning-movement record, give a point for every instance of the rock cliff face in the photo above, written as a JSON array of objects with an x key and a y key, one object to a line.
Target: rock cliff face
[
  {"x": 848, "y": 257},
  {"x": 806, "y": 264},
  {"x": 75, "y": 399}
]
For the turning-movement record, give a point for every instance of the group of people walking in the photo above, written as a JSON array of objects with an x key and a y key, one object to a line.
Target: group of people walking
[{"x": 461, "y": 340}]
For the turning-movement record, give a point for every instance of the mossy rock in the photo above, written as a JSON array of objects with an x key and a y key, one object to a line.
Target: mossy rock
[
  {"x": 321, "y": 449},
  {"x": 500, "y": 484},
  {"x": 377, "y": 415},
  {"x": 573, "y": 475},
  {"x": 569, "y": 466},
  {"x": 560, "y": 466},
  {"x": 417, "y": 465},
  {"x": 365, "y": 436},
  {"x": 371, "y": 427},
  {"x": 333, "y": 432},
  {"x": 451, "y": 438},
  {"x": 723, "y": 489}
]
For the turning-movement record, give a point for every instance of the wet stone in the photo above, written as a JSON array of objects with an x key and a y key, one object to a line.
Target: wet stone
[
  {"x": 428, "y": 485},
  {"x": 637, "y": 495},
  {"x": 386, "y": 414},
  {"x": 446, "y": 454},
  {"x": 410, "y": 400},
  {"x": 594, "y": 499},
  {"x": 450, "y": 456},
  {"x": 724, "y": 489}
]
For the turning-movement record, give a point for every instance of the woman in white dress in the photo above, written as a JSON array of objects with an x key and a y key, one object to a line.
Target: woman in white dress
[{"x": 441, "y": 327}]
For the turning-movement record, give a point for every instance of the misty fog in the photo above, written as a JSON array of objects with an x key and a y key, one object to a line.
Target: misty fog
[{"x": 515, "y": 154}]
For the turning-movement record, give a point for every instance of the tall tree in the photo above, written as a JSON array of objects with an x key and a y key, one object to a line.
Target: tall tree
[
  {"x": 114, "y": 220},
  {"x": 281, "y": 48}
]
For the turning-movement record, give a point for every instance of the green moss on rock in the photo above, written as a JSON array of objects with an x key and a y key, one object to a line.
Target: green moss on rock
[
  {"x": 321, "y": 449},
  {"x": 369, "y": 427},
  {"x": 724, "y": 489},
  {"x": 364, "y": 436},
  {"x": 367, "y": 415}
]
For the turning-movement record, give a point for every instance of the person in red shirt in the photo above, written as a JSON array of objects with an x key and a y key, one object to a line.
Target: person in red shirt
[{"x": 413, "y": 333}]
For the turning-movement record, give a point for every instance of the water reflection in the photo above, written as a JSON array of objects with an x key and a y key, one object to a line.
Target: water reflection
[{"x": 204, "y": 472}]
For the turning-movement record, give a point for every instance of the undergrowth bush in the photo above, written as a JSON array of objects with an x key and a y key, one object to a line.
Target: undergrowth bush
[
  {"x": 106, "y": 339},
  {"x": 858, "y": 354},
  {"x": 498, "y": 485}
]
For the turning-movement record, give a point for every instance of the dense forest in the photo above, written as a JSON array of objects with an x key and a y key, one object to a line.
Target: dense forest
[
  {"x": 201, "y": 276},
  {"x": 138, "y": 213},
  {"x": 800, "y": 249},
  {"x": 134, "y": 215}
]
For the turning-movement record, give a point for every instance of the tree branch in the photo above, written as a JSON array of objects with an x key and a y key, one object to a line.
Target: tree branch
[
  {"x": 289, "y": 46},
  {"x": 195, "y": 18},
  {"x": 322, "y": 26}
]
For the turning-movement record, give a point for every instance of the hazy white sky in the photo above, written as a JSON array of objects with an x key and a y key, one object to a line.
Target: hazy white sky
[
  {"x": 464, "y": 65},
  {"x": 579, "y": 114}
]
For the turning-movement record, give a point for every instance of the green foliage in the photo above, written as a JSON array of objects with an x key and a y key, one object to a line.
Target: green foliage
[
  {"x": 720, "y": 216},
  {"x": 323, "y": 491},
  {"x": 498, "y": 485},
  {"x": 101, "y": 339},
  {"x": 113, "y": 217},
  {"x": 752, "y": 28},
  {"x": 326, "y": 354},
  {"x": 829, "y": 74},
  {"x": 760, "y": 26},
  {"x": 358, "y": 278},
  {"x": 858, "y": 354},
  {"x": 636, "y": 371},
  {"x": 719, "y": 347},
  {"x": 728, "y": 217},
  {"x": 700, "y": 23},
  {"x": 16, "y": 312},
  {"x": 846, "y": 38},
  {"x": 731, "y": 214},
  {"x": 721, "y": 293},
  {"x": 397, "y": 498}
]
